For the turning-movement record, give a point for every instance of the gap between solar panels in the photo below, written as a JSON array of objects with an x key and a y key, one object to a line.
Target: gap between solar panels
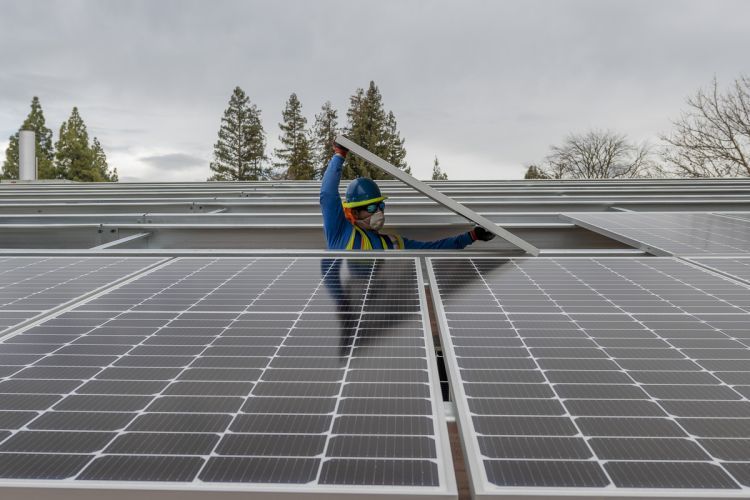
[{"x": 437, "y": 196}]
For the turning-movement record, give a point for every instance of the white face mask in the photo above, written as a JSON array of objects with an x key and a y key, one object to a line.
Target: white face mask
[
  {"x": 377, "y": 220},
  {"x": 374, "y": 222}
]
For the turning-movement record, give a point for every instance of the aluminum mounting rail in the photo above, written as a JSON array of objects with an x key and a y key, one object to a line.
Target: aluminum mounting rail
[{"x": 437, "y": 196}]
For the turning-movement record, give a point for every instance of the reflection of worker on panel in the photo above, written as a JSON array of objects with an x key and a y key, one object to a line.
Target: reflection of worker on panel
[
  {"x": 347, "y": 283},
  {"x": 349, "y": 299},
  {"x": 356, "y": 224}
]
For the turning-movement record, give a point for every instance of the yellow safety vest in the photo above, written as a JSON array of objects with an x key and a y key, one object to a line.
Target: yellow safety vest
[{"x": 365, "y": 241}]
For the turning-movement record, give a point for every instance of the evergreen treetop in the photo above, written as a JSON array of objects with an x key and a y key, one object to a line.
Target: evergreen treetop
[
  {"x": 535, "y": 172},
  {"x": 395, "y": 144},
  {"x": 437, "y": 173},
  {"x": 45, "y": 152},
  {"x": 325, "y": 130},
  {"x": 295, "y": 154},
  {"x": 239, "y": 153},
  {"x": 100, "y": 166},
  {"x": 372, "y": 128},
  {"x": 356, "y": 131},
  {"x": 75, "y": 159}
]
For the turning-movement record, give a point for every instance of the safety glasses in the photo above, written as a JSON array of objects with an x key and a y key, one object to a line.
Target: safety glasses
[{"x": 374, "y": 207}]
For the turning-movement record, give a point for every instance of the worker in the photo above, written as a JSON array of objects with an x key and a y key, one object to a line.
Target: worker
[{"x": 355, "y": 224}]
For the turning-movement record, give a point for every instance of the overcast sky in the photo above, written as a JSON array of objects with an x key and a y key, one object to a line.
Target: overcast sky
[{"x": 487, "y": 86}]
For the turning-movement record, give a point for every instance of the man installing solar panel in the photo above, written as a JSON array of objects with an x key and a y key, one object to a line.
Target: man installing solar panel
[{"x": 355, "y": 224}]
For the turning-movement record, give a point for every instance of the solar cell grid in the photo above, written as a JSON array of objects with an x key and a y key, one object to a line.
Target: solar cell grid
[
  {"x": 156, "y": 380},
  {"x": 597, "y": 373},
  {"x": 32, "y": 286},
  {"x": 670, "y": 233}
]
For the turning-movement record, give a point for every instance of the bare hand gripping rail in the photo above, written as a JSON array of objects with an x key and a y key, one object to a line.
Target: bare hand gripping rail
[{"x": 437, "y": 196}]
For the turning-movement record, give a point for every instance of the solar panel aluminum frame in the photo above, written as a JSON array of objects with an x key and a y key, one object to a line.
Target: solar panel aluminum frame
[
  {"x": 123, "y": 490},
  {"x": 73, "y": 489},
  {"x": 479, "y": 484},
  {"x": 611, "y": 233},
  {"x": 302, "y": 252},
  {"x": 646, "y": 247},
  {"x": 437, "y": 196}
]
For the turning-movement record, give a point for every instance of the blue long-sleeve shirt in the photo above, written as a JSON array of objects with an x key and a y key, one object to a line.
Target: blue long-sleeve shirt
[{"x": 338, "y": 230}]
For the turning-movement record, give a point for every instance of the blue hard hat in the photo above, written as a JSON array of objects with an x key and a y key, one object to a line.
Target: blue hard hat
[{"x": 362, "y": 191}]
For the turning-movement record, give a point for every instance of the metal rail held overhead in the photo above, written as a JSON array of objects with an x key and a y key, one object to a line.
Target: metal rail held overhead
[{"x": 436, "y": 195}]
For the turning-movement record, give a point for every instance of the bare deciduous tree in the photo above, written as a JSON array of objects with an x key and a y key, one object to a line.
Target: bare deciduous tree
[
  {"x": 712, "y": 139},
  {"x": 599, "y": 155}
]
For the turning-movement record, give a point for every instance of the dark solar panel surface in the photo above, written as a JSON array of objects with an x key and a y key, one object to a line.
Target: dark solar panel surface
[
  {"x": 286, "y": 371},
  {"x": 675, "y": 233},
  {"x": 32, "y": 285},
  {"x": 598, "y": 372}
]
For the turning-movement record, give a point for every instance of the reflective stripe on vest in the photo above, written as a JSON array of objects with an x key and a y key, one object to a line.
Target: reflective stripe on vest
[
  {"x": 365, "y": 243},
  {"x": 395, "y": 241}
]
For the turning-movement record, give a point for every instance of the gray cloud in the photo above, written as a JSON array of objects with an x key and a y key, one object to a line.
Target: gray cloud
[
  {"x": 485, "y": 85},
  {"x": 173, "y": 161}
]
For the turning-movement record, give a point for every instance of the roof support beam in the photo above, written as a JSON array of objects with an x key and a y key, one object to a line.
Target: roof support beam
[{"x": 121, "y": 241}]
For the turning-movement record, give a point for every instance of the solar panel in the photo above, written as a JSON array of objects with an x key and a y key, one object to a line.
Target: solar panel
[
  {"x": 286, "y": 375},
  {"x": 737, "y": 215},
  {"x": 738, "y": 268},
  {"x": 30, "y": 286},
  {"x": 598, "y": 376},
  {"x": 671, "y": 233}
]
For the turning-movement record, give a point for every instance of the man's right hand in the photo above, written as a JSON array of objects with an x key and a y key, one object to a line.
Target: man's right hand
[
  {"x": 480, "y": 233},
  {"x": 340, "y": 150}
]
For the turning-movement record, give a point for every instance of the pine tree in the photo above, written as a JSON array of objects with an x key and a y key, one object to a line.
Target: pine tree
[
  {"x": 372, "y": 128},
  {"x": 437, "y": 173},
  {"x": 395, "y": 144},
  {"x": 356, "y": 130},
  {"x": 100, "y": 167},
  {"x": 74, "y": 158},
  {"x": 535, "y": 172},
  {"x": 45, "y": 152},
  {"x": 325, "y": 130},
  {"x": 240, "y": 152},
  {"x": 295, "y": 154}
]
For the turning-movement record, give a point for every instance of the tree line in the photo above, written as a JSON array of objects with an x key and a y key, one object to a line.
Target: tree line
[
  {"x": 304, "y": 151},
  {"x": 711, "y": 138},
  {"x": 72, "y": 157}
]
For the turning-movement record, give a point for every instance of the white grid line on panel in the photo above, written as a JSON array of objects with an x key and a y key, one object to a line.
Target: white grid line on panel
[
  {"x": 635, "y": 382},
  {"x": 594, "y": 456}
]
